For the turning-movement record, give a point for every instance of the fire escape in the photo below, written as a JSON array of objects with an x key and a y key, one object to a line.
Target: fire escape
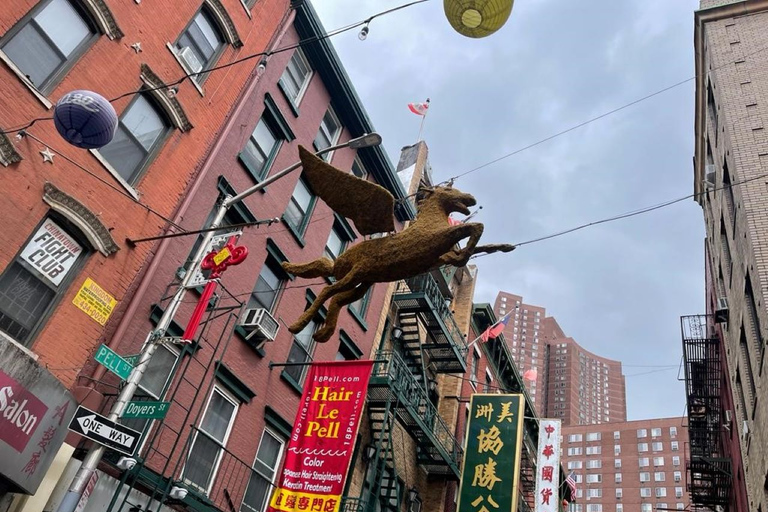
[{"x": 709, "y": 473}]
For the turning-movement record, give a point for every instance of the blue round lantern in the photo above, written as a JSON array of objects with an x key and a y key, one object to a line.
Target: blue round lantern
[{"x": 85, "y": 119}]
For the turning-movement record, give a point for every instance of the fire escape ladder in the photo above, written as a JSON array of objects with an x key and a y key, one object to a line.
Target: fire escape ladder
[
  {"x": 709, "y": 473},
  {"x": 411, "y": 343}
]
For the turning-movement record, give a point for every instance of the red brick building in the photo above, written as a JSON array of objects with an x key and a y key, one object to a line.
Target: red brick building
[
  {"x": 90, "y": 202},
  {"x": 571, "y": 383},
  {"x": 633, "y": 466}
]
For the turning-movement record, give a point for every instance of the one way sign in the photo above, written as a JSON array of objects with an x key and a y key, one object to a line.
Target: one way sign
[{"x": 104, "y": 431}]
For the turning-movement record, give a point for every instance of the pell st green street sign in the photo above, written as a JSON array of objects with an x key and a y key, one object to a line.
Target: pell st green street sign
[
  {"x": 113, "y": 362},
  {"x": 151, "y": 410}
]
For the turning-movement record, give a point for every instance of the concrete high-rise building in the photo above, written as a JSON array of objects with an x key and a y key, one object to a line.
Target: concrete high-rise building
[
  {"x": 633, "y": 466},
  {"x": 565, "y": 380},
  {"x": 724, "y": 350}
]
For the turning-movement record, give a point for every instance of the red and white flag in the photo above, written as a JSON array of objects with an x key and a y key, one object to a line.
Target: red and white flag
[
  {"x": 496, "y": 329},
  {"x": 453, "y": 222},
  {"x": 420, "y": 109},
  {"x": 531, "y": 374}
]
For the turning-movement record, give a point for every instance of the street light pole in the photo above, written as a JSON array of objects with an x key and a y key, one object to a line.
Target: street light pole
[{"x": 93, "y": 457}]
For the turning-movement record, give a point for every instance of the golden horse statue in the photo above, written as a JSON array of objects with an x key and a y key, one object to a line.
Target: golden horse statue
[{"x": 427, "y": 243}]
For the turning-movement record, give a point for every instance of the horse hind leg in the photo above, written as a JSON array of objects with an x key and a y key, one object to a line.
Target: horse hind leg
[
  {"x": 342, "y": 285},
  {"x": 339, "y": 301},
  {"x": 321, "y": 267}
]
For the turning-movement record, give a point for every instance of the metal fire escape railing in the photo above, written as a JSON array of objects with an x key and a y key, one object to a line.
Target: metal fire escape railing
[
  {"x": 709, "y": 473},
  {"x": 392, "y": 382},
  {"x": 445, "y": 346}
]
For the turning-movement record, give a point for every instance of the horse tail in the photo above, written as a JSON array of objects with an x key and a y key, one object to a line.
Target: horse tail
[{"x": 321, "y": 267}]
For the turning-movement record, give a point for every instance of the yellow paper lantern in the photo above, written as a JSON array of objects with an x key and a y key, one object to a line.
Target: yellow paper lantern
[{"x": 477, "y": 18}]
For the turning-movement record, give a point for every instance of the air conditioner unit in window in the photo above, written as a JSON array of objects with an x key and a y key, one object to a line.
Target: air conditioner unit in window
[
  {"x": 721, "y": 310},
  {"x": 709, "y": 174},
  {"x": 728, "y": 416},
  {"x": 260, "y": 326},
  {"x": 188, "y": 57}
]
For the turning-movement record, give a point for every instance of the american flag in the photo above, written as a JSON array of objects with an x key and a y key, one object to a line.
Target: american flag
[{"x": 572, "y": 484}]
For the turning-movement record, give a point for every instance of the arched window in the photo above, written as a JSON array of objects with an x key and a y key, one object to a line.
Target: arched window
[
  {"x": 48, "y": 41},
  {"x": 140, "y": 133}
]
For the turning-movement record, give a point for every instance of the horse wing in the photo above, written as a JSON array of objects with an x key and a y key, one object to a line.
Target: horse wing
[{"x": 369, "y": 206}]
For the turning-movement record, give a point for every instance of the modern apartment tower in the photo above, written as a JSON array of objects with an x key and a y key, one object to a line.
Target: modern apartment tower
[{"x": 565, "y": 380}]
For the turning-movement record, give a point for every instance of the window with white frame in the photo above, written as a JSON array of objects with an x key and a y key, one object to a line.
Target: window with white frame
[
  {"x": 617, "y": 478},
  {"x": 661, "y": 492},
  {"x": 361, "y": 172},
  {"x": 644, "y": 462},
  {"x": 657, "y": 446},
  {"x": 574, "y": 464},
  {"x": 328, "y": 133},
  {"x": 655, "y": 432},
  {"x": 659, "y": 476},
  {"x": 263, "y": 473},
  {"x": 658, "y": 461},
  {"x": 672, "y": 431},
  {"x": 680, "y": 506},
  {"x": 674, "y": 446},
  {"x": 641, "y": 432},
  {"x": 39, "y": 275},
  {"x": 595, "y": 493},
  {"x": 645, "y": 492},
  {"x": 645, "y": 476},
  {"x": 594, "y": 507},
  {"x": 619, "y": 493},
  {"x": 47, "y": 42},
  {"x": 678, "y": 492},
  {"x": 594, "y": 478},
  {"x": 210, "y": 440},
  {"x": 678, "y": 475},
  {"x": 617, "y": 449},
  {"x": 675, "y": 460},
  {"x": 619, "y": 507},
  {"x": 616, "y": 434},
  {"x": 295, "y": 78},
  {"x": 646, "y": 507},
  {"x": 576, "y": 450},
  {"x": 660, "y": 505},
  {"x": 593, "y": 450},
  {"x": 574, "y": 438},
  {"x": 617, "y": 463},
  {"x": 594, "y": 464},
  {"x": 642, "y": 447},
  {"x": 302, "y": 349},
  {"x": 593, "y": 436}
]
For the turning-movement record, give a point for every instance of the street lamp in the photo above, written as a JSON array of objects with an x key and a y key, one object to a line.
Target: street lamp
[{"x": 92, "y": 458}]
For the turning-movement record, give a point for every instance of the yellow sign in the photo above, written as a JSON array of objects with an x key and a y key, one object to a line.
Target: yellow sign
[
  {"x": 94, "y": 301},
  {"x": 221, "y": 256}
]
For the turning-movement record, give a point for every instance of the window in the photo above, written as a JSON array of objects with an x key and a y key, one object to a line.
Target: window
[
  {"x": 655, "y": 432},
  {"x": 641, "y": 432},
  {"x": 594, "y": 493},
  {"x": 619, "y": 493},
  {"x": 48, "y": 42},
  {"x": 672, "y": 431},
  {"x": 676, "y": 460},
  {"x": 33, "y": 282},
  {"x": 594, "y": 464},
  {"x": 574, "y": 464},
  {"x": 657, "y": 446},
  {"x": 617, "y": 463},
  {"x": 645, "y": 492},
  {"x": 678, "y": 492},
  {"x": 488, "y": 383},
  {"x": 574, "y": 451},
  {"x": 139, "y": 134},
  {"x": 674, "y": 446},
  {"x": 642, "y": 447},
  {"x": 680, "y": 506},
  {"x": 153, "y": 383},
  {"x": 302, "y": 349},
  {"x": 616, "y": 434},
  {"x": 645, "y": 476},
  {"x": 336, "y": 243},
  {"x": 678, "y": 475},
  {"x": 210, "y": 439},
  {"x": 360, "y": 306},
  {"x": 473, "y": 369},
  {"x": 658, "y": 461},
  {"x": 260, "y": 150},
  {"x": 659, "y": 476},
  {"x": 300, "y": 208},
  {"x": 596, "y": 478},
  {"x": 594, "y": 507},
  {"x": 644, "y": 462},
  {"x": 646, "y": 507},
  {"x": 296, "y": 77},
  {"x": 593, "y": 436},
  {"x": 264, "y": 472},
  {"x": 593, "y": 450},
  {"x": 200, "y": 44},
  {"x": 617, "y": 478},
  {"x": 661, "y": 492},
  {"x": 270, "y": 282},
  {"x": 328, "y": 133},
  {"x": 360, "y": 171},
  {"x": 617, "y": 449},
  {"x": 619, "y": 506}
]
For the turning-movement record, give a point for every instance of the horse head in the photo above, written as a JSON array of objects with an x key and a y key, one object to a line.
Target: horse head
[{"x": 450, "y": 199}]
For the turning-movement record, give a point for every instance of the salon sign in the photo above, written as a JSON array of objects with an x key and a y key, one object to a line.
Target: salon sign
[{"x": 51, "y": 252}]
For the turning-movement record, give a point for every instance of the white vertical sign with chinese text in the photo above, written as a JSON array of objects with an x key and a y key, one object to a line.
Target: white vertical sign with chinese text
[{"x": 548, "y": 466}]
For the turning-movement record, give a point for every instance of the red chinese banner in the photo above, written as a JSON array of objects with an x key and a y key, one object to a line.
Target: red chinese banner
[{"x": 323, "y": 438}]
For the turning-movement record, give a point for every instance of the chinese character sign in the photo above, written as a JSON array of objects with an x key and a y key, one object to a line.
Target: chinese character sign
[
  {"x": 323, "y": 438},
  {"x": 548, "y": 466},
  {"x": 491, "y": 469}
]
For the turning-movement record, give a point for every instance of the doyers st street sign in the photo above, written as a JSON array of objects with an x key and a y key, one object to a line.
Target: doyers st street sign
[
  {"x": 114, "y": 363},
  {"x": 491, "y": 470},
  {"x": 151, "y": 410},
  {"x": 104, "y": 431}
]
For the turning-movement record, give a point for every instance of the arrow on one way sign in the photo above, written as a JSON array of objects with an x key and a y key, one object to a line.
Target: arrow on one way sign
[{"x": 104, "y": 431}]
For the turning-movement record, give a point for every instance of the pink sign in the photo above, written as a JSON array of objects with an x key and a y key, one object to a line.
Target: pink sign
[{"x": 20, "y": 413}]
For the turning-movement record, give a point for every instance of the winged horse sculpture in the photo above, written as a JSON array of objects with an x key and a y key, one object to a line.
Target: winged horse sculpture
[{"x": 427, "y": 243}]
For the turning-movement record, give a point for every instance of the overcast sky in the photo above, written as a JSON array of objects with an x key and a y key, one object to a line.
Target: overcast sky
[{"x": 620, "y": 288}]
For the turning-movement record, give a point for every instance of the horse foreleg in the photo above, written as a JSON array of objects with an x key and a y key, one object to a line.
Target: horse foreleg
[
  {"x": 460, "y": 257},
  {"x": 341, "y": 285},
  {"x": 339, "y": 301}
]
